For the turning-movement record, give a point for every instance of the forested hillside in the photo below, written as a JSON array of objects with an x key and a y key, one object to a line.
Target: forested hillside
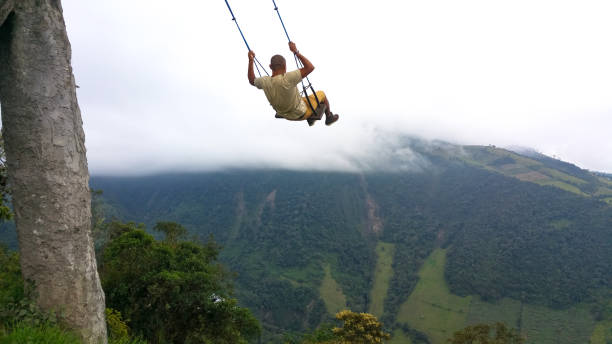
[{"x": 521, "y": 239}]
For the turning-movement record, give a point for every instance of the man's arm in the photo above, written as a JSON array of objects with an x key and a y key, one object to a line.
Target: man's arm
[
  {"x": 308, "y": 67},
  {"x": 251, "y": 72}
]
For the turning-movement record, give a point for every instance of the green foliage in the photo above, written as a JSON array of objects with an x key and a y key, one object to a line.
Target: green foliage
[
  {"x": 127, "y": 340},
  {"x": 331, "y": 293},
  {"x": 359, "y": 328},
  {"x": 38, "y": 334},
  {"x": 115, "y": 326},
  {"x": 602, "y": 308},
  {"x": 277, "y": 229},
  {"x": 505, "y": 238},
  {"x": 48, "y": 333},
  {"x": 411, "y": 335},
  {"x": 566, "y": 326},
  {"x": 323, "y": 334},
  {"x": 26, "y": 312},
  {"x": 172, "y": 230},
  {"x": 533, "y": 261},
  {"x": 172, "y": 292},
  {"x": 11, "y": 283},
  {"x": 602, "y": 334},
  {"x": 487, "y": 334},
  {"x": 431, "y": 308},
  {"x": 17, "y": 299},
  {"x": 21, "y": 321},
  {"x": 117, "y": 329},
  {"x": 382, "y": 277}
]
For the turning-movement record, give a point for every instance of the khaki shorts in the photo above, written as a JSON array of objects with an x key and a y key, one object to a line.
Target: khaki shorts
[{"x": 313, "y": 101}]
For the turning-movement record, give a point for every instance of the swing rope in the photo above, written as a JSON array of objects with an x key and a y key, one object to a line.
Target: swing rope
[
  {"x": 281, "y": 20},
  {"x": 305, "y": 85},
  {"x": 245, "y": 42},
  {"x": 308, "y": 84}
]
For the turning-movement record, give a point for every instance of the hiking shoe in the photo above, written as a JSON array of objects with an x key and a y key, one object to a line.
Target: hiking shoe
[
  {"x": 311, "y": 121},
  {"x": 331, "y": 119}
]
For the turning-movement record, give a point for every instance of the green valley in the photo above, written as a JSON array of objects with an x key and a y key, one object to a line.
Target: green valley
[
  {"x": 434, "y": 310},
  {"x": 382, "y": 277},
  {"x": 431, "y": 308},
  {"x": 469, "y": 235},
  {"x": 331, "y": 293}
]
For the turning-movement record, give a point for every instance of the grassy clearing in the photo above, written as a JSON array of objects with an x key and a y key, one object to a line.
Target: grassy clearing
[
  {"x": 563, "y": 176},
  {"x": 603, "y": 191},
  {"x": 399, "y": 337},
  {"x": 431, "y": 308},
  {"x": 563, "y": 186},
  {"x": 561, "y": 224},
  {"x": 331, "y": 293},
  {"x": 513, "y": 169},
  {"x": 547, "y": 326},
  {"x": 525, "y": 161},
  {"x": 605, "y": 180},
  {"x": 309, "y": 276},
  {"x": 602, "y": 334},
  {"x": 382, "y": 277},
  {"x": 506, "y": 311},
  {"x": 532, "y": 176},
  {"x": 526, "y": 169}
]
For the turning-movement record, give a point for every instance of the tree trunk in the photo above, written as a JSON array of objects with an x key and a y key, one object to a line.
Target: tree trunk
[
  {"x": 6, "y": 7},
  {"x": 47, "y": 165}
]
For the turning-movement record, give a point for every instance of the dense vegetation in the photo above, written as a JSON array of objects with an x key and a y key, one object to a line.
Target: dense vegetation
[
  {"x": 21, "y": 321},
  {"x": 355, "y": 328},
  {"x": 555, "y": 248},
  {"x": 487, "y": 334},
  {"x": 507, "y": 238},
  {"x": 277, "y": 229},
  {"x": 280, "y": 230},
  {"x": 173, "y": 291}
]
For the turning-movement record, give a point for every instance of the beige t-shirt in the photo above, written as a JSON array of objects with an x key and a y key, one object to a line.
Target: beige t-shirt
[{"x": 283, "y": 94}]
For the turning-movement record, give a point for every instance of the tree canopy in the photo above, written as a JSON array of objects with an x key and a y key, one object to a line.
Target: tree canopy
[
  {"x": 360, "y": 328},
  {"x": 487, "y": 334},
  {"x": 172, "y": 291}
]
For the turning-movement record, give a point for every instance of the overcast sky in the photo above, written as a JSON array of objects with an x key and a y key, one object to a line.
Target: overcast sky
[{"x": 163, "y": 84}]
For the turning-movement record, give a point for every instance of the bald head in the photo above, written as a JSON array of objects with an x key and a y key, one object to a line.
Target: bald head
[{"x": 277, "y": 62}]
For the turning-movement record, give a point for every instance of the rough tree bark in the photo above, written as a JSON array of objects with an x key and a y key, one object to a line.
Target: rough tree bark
[
  {"x": 47, "y": 165},
  {"x": 6, "y": 7}
]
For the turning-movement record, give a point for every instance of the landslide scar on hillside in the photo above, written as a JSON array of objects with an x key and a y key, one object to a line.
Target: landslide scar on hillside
[{"x": 375, "y": 224}]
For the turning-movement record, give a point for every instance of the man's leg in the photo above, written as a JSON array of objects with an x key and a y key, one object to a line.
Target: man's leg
[
  {"x": 327, "y": 109},
  {"x": 329, "y": 116},
  {"x": 322, "y": 96}
]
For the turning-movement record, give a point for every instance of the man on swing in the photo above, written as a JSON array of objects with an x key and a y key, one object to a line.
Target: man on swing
[{"x": 282, "y": 92}]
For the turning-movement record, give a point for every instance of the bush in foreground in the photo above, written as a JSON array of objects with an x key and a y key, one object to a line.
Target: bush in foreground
[
  {"x": 172, "y": 291},
  {"x": 23, "y": 333}
]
